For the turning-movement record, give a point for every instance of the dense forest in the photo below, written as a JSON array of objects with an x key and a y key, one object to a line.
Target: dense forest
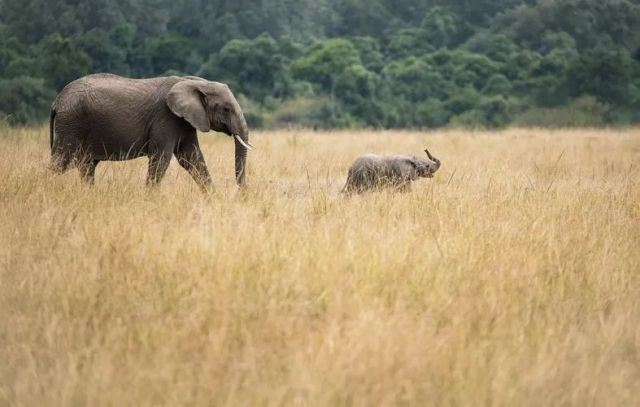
[{"x": 342, "y": 63}]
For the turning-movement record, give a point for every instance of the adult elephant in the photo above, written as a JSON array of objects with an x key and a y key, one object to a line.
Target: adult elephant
[{"x": 106, "y": 117}]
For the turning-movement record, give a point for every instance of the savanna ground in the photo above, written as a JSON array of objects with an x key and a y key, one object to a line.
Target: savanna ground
[{"x": 511, "y": 278}]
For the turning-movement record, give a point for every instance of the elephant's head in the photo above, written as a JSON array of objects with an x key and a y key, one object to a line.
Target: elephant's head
[
  {"x": 211, "y": 106},
  {"x": 427, "y": 167}
]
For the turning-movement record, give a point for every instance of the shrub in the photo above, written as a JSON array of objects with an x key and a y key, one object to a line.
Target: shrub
[
  {"x": 585, "y": 111},
  {"x": 25, "y": 100}
]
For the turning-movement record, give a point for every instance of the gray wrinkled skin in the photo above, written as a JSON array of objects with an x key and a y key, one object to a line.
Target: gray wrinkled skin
[
  {"x": 371, "y": 172},
  {"x": 106, "y": 117}
]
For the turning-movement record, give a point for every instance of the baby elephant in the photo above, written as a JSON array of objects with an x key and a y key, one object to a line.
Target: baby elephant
[{"x": 372, "y": 171}]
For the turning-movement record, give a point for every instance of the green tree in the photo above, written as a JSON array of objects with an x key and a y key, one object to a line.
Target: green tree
[
  {"x": 464, "y": 68},
  {"x": 495, "y": 112},
  {"x": 105, "y": 54},
  {"x": 431, "y": 113},
  {"x": 169, "y": 51},
  {"x": 25, "y": 100},
  {"x": 587, "y": 21},
  {"x": 255, "y": 67},
  {"x": 370, "y": 53},
  {"x": 463, "y": 100},
  {"x": 325, "y": 61},
  {"x": 357, "y": 89},
  {"x": 549, "y": 83},
  {"x": 61, "y": 61},
  {"x": 497, "y": 47},
  {"x": 416, "y": 79},
  {"x": 497, "y": 84},
  {"x": 521, "y": 64},
  {"x": 604, "y": 73},
  {"x": 409, "y": 42},
  {"x": 363, "y": 17},
  {"x": 444, "y": 29},
  {"x": 323, "y": 64},
  {"x": 14, "y": 57}
]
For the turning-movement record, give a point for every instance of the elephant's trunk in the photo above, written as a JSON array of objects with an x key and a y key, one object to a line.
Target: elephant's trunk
[
  {"x": 242, "y": 143},
  {"x": 432, "y": 158}
]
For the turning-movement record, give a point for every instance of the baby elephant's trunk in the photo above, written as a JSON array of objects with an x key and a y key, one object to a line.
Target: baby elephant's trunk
[{"x": 432, "y": 158}]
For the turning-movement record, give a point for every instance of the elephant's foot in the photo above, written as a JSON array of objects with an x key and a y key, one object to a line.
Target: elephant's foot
[{"x": 59, "y": 164}]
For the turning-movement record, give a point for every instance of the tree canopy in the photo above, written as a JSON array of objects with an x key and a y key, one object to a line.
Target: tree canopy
[{"x": 341, "y": 63}]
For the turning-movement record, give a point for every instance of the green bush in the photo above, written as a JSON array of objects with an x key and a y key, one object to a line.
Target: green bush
[
  {"x": 585, "y": 112},
  {"x": 25, "y": 100},
  {"x": 431, "y": 113},
  {"x": 305, "y": 112}
]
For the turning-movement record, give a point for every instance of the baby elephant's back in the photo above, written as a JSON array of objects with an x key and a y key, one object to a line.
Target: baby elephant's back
[
  {"x": 367, "y": 166},
  {"x": 367, "y": 161}
]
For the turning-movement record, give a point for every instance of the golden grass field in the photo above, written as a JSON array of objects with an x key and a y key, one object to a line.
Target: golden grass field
[{"x": 512, "y": 278}]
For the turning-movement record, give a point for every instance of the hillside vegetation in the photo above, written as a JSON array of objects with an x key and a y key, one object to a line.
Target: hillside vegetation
[
  {"x": 343, "y": 63},
  {"x": 511, "y": 278}
]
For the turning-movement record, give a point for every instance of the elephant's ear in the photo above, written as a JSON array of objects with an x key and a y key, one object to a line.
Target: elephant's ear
[
  {"x": 185, "y": 100},
  {"x": 412, "y": 161}
]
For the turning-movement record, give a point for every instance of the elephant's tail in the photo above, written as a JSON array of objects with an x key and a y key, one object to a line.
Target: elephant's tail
[
  {"x": 52, "y": 130},
  {"x": 348, "y": 186}
]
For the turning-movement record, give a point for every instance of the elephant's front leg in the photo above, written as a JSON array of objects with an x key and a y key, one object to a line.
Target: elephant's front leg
[{"x": 191, "y": 159}]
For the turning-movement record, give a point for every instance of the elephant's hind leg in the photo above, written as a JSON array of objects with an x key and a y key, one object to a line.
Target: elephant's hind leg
[
  {"x": 60, "y": 162},
  {"x": 403, "y": 187},
  {"x": 347, "y": 190},
  {"x": 61, "y": 158},
  {"x": 66, "y": 146},
  {"x": 87, "y": 170}
]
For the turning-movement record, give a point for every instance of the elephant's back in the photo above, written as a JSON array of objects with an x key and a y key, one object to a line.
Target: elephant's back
[
  {"x": 111, "y": 103},
  {"x": 100, "y": 87},
  {"x": 97, "y": 90},
  {"x": 367, "y": 160},
  {"x": 364, "y": 167}
]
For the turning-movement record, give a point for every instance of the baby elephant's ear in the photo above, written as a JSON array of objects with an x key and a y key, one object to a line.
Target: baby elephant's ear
[
  {"x": 413, "y": 161},
  {"x": 185, "y": 99}
]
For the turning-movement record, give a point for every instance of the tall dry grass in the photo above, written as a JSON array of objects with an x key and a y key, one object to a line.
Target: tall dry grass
[{"x": 511, "y": 278}]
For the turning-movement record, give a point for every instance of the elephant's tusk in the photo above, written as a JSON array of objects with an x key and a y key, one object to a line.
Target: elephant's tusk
[{"x": 246, "y": 145}]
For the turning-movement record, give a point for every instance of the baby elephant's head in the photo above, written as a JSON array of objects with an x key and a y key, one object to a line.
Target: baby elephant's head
[{"x": 427, "y": 167}]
